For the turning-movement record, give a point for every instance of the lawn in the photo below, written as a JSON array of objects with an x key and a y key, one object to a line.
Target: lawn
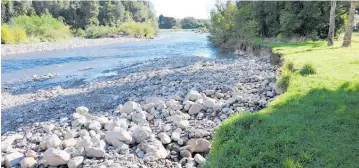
[{"x": 315, "y": 123}]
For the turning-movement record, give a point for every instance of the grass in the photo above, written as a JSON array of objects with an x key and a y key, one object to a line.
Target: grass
[{"x": 315, "y": 123}]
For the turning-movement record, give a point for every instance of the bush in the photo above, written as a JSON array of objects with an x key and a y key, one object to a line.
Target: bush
[
  {"x": 99, "y": 31},
  {"x": 284, "y": 80},
  {"x": 79, "y": 32},
  {"x": 44, "y": 27},
  {"x": 12, "y": 35},
  {"x": 138, "y": 29},
  {"x": 307, "y": 69},
  {"x": 289, "y": 66}
]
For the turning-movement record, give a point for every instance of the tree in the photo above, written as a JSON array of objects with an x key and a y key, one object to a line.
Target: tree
[
  {"x": 166, "y": 22},
  {"x": 333, "y": 5},
  {"x": 349, "y": 26}
]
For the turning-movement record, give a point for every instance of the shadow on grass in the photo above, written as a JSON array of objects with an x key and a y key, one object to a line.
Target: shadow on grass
[{"x": 319, "y": 129}]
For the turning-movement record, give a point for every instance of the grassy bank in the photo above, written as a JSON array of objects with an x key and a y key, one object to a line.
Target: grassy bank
[{"x": 313, "y": 124}]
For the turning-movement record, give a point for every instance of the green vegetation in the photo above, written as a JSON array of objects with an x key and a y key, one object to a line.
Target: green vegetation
[
  {"x": 185, "y": 23},
  {"x": 313, "y": 124},
  {"x": 236, "y": 23},
  {"x": 42, "y": 28},
  {"x": 307, "y": 69},
  {"x": 52, "y": 20}
]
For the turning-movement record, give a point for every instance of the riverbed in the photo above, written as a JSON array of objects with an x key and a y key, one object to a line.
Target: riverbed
[{"x": 167, "y": 94}]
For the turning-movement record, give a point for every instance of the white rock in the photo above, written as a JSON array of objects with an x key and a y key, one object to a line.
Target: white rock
[
  {"x": 31, "y": 153},
  {"x": 141, "y": 133},
  {"x": 112, "y": 137},
  {"x": 123, "y": 123},
  {"x": 195, "y": 108},
  {"x": 82, "y": 110},
  {"x": 53, "y": 141},
  {"x": 187, "y": 105},
  {"x": 165, "y": 139},
  {"x": 193, "y": 95},
  {"x": 75, "y": 162},
  {"x": 48, "y": 128},
  {"x": 199, "y": 145},
  {"x": 7, "y": 142},
  {"x": 219, "y": 95},
  {"x": 78, "y": 122},
  {"x": 95, "y": 125},
  {"x": 55, "y": 157},
  {"x": 139, "y": 117},
  {"x": 28, "y": 162},
  {"x": 153, "y": 149},
  {"x": 175, "y": 136},
  {"x": 183, "y": 124},
  {"x": 95, "y": 152},
  {"x": 129, "y": 107},
  {"x": 69, "y": 142},
  {"x": 13, "y": 159},
  {"x": 209, "y": 103},
  {"x": 70, "y": 134},
  {"x": 84, "y": 143},
  {"x": 199, "y": 159}
]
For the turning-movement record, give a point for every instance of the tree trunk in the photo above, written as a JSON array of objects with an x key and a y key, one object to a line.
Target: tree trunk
[
  {"x": 333, "y": 5},
  {"x": 349, "y": 26}
]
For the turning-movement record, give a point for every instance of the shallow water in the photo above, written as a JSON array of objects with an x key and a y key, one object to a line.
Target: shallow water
[{"x": 70, "y": 62}]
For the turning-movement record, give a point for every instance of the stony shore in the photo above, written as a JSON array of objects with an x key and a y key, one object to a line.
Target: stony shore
[
  {"x": 160, "y": 113},
  {"x": 11, "y": 49}
]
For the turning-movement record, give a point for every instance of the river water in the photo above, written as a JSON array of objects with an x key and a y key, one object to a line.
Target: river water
[{"x": 95, "y": 60}]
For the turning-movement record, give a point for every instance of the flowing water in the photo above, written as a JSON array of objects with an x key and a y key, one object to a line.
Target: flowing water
[{"x": 93, "y": 61}]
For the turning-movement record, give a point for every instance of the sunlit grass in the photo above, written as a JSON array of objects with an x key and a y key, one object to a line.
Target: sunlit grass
[{"x": 315, "y": 123}]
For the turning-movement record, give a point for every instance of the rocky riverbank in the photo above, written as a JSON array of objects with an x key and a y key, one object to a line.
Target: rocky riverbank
[
  {"x": 160, "y": 113},
  {"x": 11, "y": 49}
]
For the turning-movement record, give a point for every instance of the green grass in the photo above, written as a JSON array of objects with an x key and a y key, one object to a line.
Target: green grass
[{"x": 314, "y": 124}]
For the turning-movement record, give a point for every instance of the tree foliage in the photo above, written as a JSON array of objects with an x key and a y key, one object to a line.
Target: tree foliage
[{"x": 241, "y": 21}]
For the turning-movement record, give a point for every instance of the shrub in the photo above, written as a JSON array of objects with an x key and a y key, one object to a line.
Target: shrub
[
  {"x": 289, "y": 66},
  {"x": 12, "y": 35},
  {"x": 79, "y": 32},
  {"x": 7, "y": 36},
  {"x": 137, "y": 29},
  {"x": 44, "y": 27},
  {"x": 307, "y": 69},
  {"x": 284, "y": 80},
  {"x": 99, "y": 31}
]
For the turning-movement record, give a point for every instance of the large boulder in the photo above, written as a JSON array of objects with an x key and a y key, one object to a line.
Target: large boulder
[
  {"x": 7, "y": 142},
  {"x": 56, "y": 157},
  {"x": 28, "y": 162}
]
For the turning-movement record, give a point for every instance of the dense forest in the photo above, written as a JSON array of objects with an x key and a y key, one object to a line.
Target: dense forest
[
  {"x": 245, "y": 22},
  {"x": 84, "y": 18},
  {"x": 185, "y": 23}
]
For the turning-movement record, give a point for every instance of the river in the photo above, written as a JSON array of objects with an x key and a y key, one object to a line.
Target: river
[{"x": 92, "y": 62}]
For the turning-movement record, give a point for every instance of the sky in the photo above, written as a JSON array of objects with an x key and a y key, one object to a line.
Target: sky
[{"x": 179, "y": 9}]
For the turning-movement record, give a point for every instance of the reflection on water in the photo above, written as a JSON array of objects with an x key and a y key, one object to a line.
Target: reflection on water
[{"x": 168, "y": 44}]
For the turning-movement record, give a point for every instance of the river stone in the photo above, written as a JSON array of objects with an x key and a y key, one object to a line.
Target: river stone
[
  {"x": 199, "y": 145},
  {"x": 153, "y": 149},
  {"x": 209, "y": 103},
  {"x": 185, "y": 153},
  {"x": 193, "y": 95},
  {"x": 48, "y": 128},
  {"x": 165, "y": 139},
  {"x": 195, "y": 108},
  {"x": 53, "y": 141},
  {"x": 82, "y": 110},
  {"x": 7, "y": 142},
  {"x": 199, "y": 159},
  {"x": 13, "y": 159},
  {"x": 69, "y": 142},
  {"x": 141, "y": 133},
  {"x": 112, "y": 137},
  {"x": 75, "y": 162},
  {"x": 175, "y": 136},
  {"x": 95, "y": 152},
  {"x": 70, "y": 134},
  {"x": 28, "y": 162},
  {"x": 129, "y": 107},
  {"x": 56, "y": 157},
  {"x": 31, "y": 153},
  {"x": 95, "y": 125}
]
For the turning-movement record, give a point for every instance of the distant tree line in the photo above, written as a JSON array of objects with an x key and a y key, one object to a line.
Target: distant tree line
[
  {"x": 240, "y": 21},
  {"x": 80, "y": 14},
  {"x": 185, "y": 23}
]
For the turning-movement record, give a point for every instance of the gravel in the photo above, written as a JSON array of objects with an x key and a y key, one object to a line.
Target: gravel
[
  {"x": 11, "y": 49},
  {"x": 160, "y": 113}
]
